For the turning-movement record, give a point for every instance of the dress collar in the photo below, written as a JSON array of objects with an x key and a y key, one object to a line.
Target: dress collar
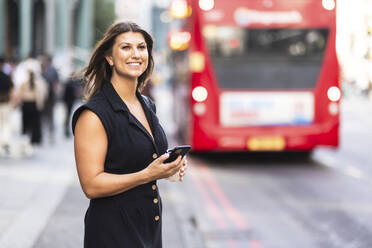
[
  {"x": 114, "y": 99},
  {"x": 119, "y": 105}
]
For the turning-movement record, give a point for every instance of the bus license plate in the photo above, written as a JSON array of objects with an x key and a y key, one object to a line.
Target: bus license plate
[{"x": 276, "y": 143}]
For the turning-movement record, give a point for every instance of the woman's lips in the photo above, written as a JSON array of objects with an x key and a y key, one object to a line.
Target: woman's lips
[{"x": 134, "y": 65}]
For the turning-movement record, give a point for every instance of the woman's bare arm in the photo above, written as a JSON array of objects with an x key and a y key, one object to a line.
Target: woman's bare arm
[
  {"x": 17, "y": 95},
  {"x": 90, "y": 152}
]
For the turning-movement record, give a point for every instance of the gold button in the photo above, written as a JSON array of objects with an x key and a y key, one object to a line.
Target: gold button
[
  {"x": 155, "y": 200},
  {"x": 157, "y": 217},
  {"x": 153, "y": 187},
  {"x": 154, "y": 155}
]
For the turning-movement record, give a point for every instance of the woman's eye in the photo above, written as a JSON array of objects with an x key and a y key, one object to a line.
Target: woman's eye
[
  {"x": 125, "y": 47},
  {"x": 142, "y": 47}
]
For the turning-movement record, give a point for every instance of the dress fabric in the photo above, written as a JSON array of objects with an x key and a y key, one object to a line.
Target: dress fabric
[{"x": 133, "y": 218}]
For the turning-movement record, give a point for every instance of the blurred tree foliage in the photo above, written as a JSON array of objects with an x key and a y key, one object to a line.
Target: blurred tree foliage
[{"x": 104, "y": 16}]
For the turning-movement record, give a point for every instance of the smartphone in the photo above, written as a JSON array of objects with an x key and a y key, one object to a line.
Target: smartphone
[{"x": 177, "y": 151}]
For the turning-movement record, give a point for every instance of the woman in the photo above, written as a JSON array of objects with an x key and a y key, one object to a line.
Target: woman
[
  {"x": 32, "y": 94},
  {"x": 69, "y": 97},
  {"x": 6, "y": 93},
  {"x": 119, "y": 144}
]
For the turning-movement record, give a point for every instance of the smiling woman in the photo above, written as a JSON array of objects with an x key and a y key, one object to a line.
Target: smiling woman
[{"x": 119, "y": 144}]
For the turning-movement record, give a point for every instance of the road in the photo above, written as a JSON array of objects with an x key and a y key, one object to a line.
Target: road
[{"x": 229, "y": 200}]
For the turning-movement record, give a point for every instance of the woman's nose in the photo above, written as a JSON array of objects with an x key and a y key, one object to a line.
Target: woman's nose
[{"x": 136, "y": 53}]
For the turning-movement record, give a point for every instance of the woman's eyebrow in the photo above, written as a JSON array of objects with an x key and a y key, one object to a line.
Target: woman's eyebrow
[{"x": 128, "y": 43}]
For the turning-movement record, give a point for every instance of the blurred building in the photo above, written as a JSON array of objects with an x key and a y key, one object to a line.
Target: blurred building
[
  {"x": 36, "y": 27},
  {"x": 138, "y": 11},
  {"x": 354, "y": 43}
]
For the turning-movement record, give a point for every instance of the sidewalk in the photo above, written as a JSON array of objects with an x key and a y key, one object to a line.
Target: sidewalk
[
  {"x": 32, "y": 189},
  {"x": 42, "y": 204}
]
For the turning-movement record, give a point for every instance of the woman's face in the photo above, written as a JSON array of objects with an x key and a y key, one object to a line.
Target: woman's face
[{"x": 129, "y": 56}]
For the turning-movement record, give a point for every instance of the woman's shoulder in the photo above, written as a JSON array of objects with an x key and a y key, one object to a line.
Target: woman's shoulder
[
  {"x": 88, "y": 118},
  {"x": 96, "y": 104}
]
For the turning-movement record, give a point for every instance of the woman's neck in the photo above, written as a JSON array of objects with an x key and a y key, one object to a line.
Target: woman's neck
[{"x": 125, "y": 87}]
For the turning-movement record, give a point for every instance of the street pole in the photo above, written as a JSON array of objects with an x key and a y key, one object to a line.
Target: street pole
[
  {"x": 85, "y": 29},
  {"x": 50, "y": 23},
  {"x": 2, "y": 27},
  {"x": 26, "y": 28}
]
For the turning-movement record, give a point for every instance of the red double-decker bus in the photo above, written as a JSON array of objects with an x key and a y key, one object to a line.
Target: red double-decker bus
[{"x": 261, "y": 75}]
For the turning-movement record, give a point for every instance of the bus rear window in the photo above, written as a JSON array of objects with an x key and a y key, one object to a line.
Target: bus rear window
[{"x": 266, "y": 58}]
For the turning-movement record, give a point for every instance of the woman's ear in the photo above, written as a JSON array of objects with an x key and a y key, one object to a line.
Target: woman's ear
[{"x": 109, "y": 60}]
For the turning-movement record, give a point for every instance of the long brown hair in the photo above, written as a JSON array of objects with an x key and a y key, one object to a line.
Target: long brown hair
[
  {"x": 98, "y": 72},
  {"x": 32, "y": 79}
]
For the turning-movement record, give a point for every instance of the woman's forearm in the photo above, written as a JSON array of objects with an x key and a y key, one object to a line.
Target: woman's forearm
[{"x": 107, "y": 184}]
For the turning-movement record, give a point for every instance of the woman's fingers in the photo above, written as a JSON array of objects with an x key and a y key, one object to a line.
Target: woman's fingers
[
  {"x": 175, "y": 166},
  {"x": 182, "y": 170},
  {"x": 163, "y": 157}
]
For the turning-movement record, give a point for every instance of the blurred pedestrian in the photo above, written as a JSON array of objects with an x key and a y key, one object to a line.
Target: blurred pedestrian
[
  {"x": 50, "y": 74},
  {"x": 31, "y": 95},
  {"x": 6, "y": 87},
  {"x": 120, "y": 145},
  {"x": 21, "y": 71},
  {"x": 8, "y": 66},
  {"x": 70, "y": 94}
]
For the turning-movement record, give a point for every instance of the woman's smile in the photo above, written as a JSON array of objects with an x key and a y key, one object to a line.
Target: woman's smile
[{"x": 134, "y": 65}]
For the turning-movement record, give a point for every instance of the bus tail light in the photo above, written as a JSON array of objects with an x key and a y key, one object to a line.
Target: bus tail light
[
  {"x": 334, "y": 94},
  {"x": 328, "y": 4},
  {"x": 199, "y": 108},
  {"x": 206, "y": 4},
  {"x": 199, "y": 94},
  {"x": 333, "y": 108}
]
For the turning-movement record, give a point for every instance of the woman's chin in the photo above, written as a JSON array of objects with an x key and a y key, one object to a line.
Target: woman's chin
[{"x": 131, "y": 74}]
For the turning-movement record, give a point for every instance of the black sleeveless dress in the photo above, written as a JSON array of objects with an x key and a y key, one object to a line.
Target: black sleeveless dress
[{"x": 133, "y": 218}]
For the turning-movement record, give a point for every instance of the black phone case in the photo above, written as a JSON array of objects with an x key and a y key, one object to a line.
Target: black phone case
[{"x": 177, "y": 151}]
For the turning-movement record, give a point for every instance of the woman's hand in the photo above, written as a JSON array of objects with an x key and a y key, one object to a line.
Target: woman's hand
[
  {"x": 178, "y": 177},
  {"x": 158, "y": 170},
  {"x": 183, "y": 168}
]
